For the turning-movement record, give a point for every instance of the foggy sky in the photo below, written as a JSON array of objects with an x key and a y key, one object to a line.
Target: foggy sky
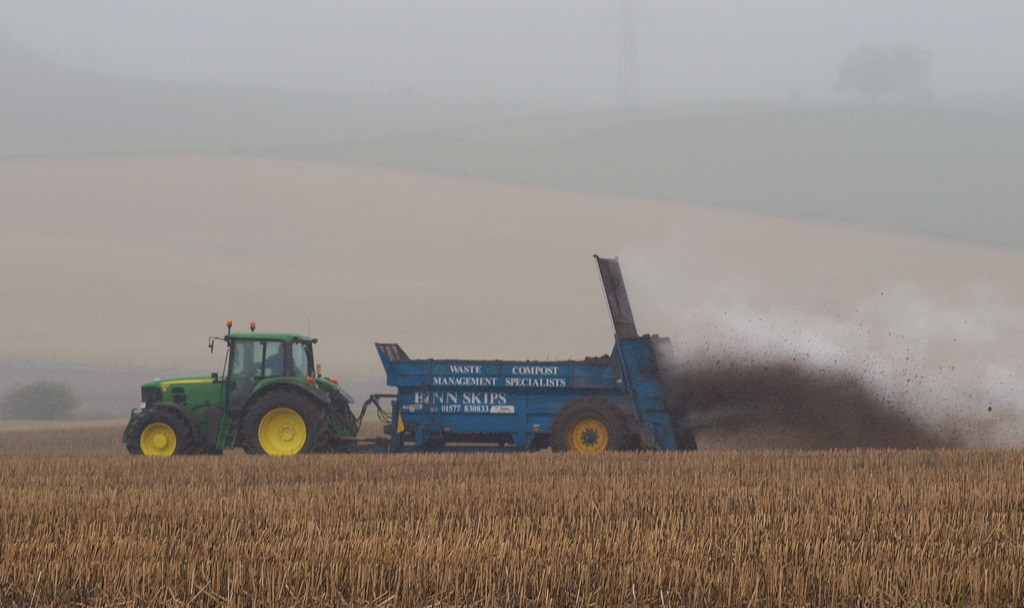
[{"x": 529, "y": 50}]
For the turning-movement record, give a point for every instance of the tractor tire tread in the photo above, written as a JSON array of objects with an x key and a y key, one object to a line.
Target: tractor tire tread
[
  {"x": 312, "y": 414},
  {"x": 180, "y": 426}
]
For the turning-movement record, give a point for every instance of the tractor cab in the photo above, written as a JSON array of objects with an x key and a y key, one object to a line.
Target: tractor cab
[{"x": 255, "y": 359}]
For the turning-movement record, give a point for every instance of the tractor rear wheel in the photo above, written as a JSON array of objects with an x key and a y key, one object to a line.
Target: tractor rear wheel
[
  {"x": 588, "y": 425},
  {"x": 159, "y": 432},
  {"x": 282, "y": 423}
]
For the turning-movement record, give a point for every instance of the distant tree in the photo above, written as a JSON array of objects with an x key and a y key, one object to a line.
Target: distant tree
[
  {"x": 899, "y": 71},
  {"x": 43, "y": 400}
]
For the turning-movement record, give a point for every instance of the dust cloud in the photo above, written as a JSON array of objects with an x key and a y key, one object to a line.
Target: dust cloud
[
  {"x": 786, "y": 380},
  {"x": 903, "y": 370},
  {"x": 739, "y": 404},
  {"x": 915, "y": 348}
]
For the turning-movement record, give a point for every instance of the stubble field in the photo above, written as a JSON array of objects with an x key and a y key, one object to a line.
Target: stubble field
[{"x": 93, "y": 527}]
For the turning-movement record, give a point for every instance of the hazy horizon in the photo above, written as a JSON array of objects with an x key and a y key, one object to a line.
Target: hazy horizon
[
  {"x": 154, "y": 254},
  {"x": 566, "y": 52}
]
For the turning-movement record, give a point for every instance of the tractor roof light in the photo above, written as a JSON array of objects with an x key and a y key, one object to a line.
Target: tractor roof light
[{"x": 252, "y": 326}]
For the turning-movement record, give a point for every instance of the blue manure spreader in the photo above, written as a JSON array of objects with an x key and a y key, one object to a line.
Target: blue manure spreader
[{"x": 612, "y": 402}]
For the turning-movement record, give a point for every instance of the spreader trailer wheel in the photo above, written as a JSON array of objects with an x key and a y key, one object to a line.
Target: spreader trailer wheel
[{"x": 588, "y": 425}]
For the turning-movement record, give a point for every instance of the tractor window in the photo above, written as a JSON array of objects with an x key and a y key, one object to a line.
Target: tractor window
[
  {"x": 274, "y": 361},
  {"x": 302, "y": 359},
  {"x": 246, "y": 359},
  {"x": 244, "y": 369}
]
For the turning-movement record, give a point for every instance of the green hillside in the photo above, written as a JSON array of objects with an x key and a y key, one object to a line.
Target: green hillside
[
  {"x": 47, "y": 110},
  {"x": 940, "y": 171},
  {"x": 947, "y": 171}
]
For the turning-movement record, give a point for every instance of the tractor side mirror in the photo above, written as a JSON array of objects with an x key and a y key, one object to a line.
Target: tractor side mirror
[{"x": 215, "y": 376}]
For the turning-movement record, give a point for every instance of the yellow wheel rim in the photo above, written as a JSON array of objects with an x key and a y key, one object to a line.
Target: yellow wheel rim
[
  {"x": 282, "y": 432},
  {"x": 588, "y": 435},
  {"x": 158, "y": 439}
]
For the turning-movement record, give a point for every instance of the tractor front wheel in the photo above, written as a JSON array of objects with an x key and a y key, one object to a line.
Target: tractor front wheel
[
  {"x": 282, "y": 423},
  {"x": 159, "y": 433}
]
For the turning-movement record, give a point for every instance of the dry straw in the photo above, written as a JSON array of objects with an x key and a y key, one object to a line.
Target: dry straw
[{"x": 852, "y": 528}]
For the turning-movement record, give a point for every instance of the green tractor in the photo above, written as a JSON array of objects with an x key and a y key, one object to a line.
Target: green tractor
[{"x": 271, "y": 399}]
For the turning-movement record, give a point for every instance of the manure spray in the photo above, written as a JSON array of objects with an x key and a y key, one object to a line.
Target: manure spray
[{"x": 903, "y": 365}]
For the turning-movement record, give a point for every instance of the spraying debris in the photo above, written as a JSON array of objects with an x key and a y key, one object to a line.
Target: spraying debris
[{"x": 738, "y": 404}]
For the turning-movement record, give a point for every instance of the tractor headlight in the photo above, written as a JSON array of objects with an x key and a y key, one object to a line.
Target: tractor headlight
[{"x": 150, "y": 395}]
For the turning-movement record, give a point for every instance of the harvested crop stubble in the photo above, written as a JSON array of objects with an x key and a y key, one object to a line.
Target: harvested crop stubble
[
  {"x": 697, "y": 529},
  {"x": 98, "y": 437}
]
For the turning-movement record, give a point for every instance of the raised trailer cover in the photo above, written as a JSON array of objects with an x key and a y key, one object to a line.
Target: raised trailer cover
[{"x": 659, "y": 425}]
